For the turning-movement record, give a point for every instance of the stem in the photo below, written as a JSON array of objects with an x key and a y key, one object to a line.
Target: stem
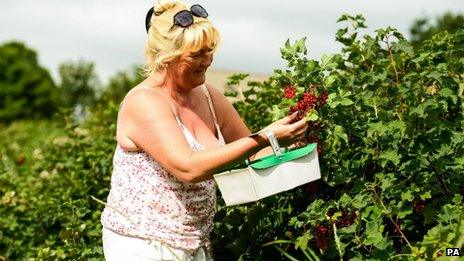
[
  {"x": 394, "y": 223},
  {"x": 367, "y": 249},
  {"x": 399, "y": 116},
  {"x": 440, "y": 175},
  {"x": 358, "y": 240},
  {"x": 337, "y": 241},
  {"x": 401, "y": 255},
  {"x": 401, "y": 232},
  {"x": 393, "y": 63}
]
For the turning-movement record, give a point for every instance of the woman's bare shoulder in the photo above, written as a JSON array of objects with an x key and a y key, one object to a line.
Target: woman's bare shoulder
[
  {"x": 140, "y": 107},
  {"x": 145, "y": 102}
]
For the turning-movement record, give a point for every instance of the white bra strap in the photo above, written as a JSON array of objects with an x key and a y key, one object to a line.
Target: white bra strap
[{"x": 210, "y": 102}]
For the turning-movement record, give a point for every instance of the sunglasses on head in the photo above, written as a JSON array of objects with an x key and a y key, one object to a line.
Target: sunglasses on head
[{"x": 182, "y": 18}]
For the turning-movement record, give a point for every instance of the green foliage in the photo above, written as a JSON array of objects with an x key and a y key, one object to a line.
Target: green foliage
[
  {"x": 423, "y": 29},
  {"x": 255, "y": 108},
  {"x": 78, "y": 83},
  {"x": 46, "y": 202},
  {"x": 52, "y": 175},
  {"x": 27, "y": 90},
  {"x": 120, "y": 84},
  {"x": 393, "y": 151}
]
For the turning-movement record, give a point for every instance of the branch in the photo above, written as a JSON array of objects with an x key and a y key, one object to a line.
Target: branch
[
  {"x": 393, "y": 63},
  {"x": 440, "y": 175}
]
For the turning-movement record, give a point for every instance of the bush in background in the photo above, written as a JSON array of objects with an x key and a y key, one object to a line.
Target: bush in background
[{"x": 27, "y": 90}]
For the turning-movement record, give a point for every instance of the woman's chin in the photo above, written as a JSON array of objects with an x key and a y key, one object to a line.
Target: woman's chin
[{"x": 199, "y": 79}]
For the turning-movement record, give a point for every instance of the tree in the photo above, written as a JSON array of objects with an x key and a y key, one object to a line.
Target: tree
[
  {"x": 26, "y": 88},
  {"x": 120, "y": 84},
  {"x": 78, "y": 83},
  {"x": 423, "y": 29}
]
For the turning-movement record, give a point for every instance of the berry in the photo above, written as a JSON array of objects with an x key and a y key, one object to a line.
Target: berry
[
  {"x": 322, "y": 236},
  {"x": 293, "y": 109},
  {"x": 321, "y": 230},
  {"x": 302, "y": 105},
  {"x": 322, "y": 99},
  {"x": 315, "y": 125},
  {"x": 312, "y": 188},
  {"x": 419, "y": 205},
  {"x": 300, "y": 114},
  {"x": 313, "y": 138},
  {"x": 347, "y": 219},
  {"x": 289, "y": 91},
  {"x": 309, "y": 100},
  {"x": 21, "y": 160}
]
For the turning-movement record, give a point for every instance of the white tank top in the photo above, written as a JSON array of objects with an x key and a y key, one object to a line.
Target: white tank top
[{"x": 148, "y": 202}]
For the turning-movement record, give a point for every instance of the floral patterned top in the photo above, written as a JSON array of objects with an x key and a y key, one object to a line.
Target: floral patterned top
[{"x": 148, "y": 202}]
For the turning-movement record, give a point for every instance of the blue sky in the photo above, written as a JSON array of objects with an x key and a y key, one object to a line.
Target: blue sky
[{"x": 111, "y": 32}]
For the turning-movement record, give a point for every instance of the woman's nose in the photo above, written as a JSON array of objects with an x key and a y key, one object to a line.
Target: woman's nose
[{"x": 207, "y": 60}]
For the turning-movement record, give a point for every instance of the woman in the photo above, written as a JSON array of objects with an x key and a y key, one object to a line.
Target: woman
[{"x": 172, "y": 132}]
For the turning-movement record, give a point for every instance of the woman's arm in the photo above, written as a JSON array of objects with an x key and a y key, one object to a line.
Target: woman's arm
[
  {"x": 151, "y": 125},
  {"x": 232, "y": 126}
]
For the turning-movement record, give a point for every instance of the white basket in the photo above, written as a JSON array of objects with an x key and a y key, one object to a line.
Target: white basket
[{"x": 249, "y": 184}]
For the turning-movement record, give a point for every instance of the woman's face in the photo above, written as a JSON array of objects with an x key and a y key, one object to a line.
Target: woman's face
[{"x": 189, "y": 69}]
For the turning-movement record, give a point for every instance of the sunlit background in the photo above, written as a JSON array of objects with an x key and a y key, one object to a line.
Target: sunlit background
[{"x": 111, "y": 33}]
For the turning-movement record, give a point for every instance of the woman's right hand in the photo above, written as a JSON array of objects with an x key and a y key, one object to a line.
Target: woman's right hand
[{"x": 287, "y": 132}]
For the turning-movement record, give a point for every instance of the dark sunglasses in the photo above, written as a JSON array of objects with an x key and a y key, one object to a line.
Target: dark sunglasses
[{"x": 183, "y": 18}]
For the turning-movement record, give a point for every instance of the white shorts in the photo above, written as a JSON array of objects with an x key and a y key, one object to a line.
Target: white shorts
[{"x": 120, "y": 247}]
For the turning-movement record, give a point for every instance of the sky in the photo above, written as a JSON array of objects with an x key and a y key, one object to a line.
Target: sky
[{"x": 111, "y": 33}]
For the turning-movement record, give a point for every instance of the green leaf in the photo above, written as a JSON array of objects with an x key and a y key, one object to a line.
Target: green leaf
[
  {"x": 373, "y": 234},
  {"x": 277, "y": 113},
  {"x": 389, "y": 156},
  {"x": 345, "y": 200},
  {"x": 312, "y": 116},
  {"x": 301, "y": 46},
  {"x": 404, "y": 212},
  {"x": 457, "y": 199},
  {"x": 448, "y": 93},
  {"x": 300, "y": 89},
  {"x": 406, "y": 47},
  {"x": 373, "y": 212},
  {"x": 407, "y": 195},
  {"x": 450, "y": 213},
  {"x": 329, "y": 80},
  {"x": 387, "y": 181},
  {"x": 426, "y": 195},
  {"x": 361, "y": 201},
  {"x": 346, "y": 102},
  {"x": 302, "y": 241},
  {"x": 436, "y": 75},
  {"x": 340, "y": 132}
]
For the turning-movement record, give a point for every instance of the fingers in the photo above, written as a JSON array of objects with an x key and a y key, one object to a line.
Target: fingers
[
  {"x": 301, "y": 131},
  {"x": 289, "y": 118},
  {"x": 300, "y": 124}
]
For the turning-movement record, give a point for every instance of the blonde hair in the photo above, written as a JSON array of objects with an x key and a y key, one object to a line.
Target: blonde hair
[{"x": 166, "y": 42}]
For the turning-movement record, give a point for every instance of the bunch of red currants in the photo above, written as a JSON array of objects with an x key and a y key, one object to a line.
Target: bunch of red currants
[{"x": 308, "y": 101}]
